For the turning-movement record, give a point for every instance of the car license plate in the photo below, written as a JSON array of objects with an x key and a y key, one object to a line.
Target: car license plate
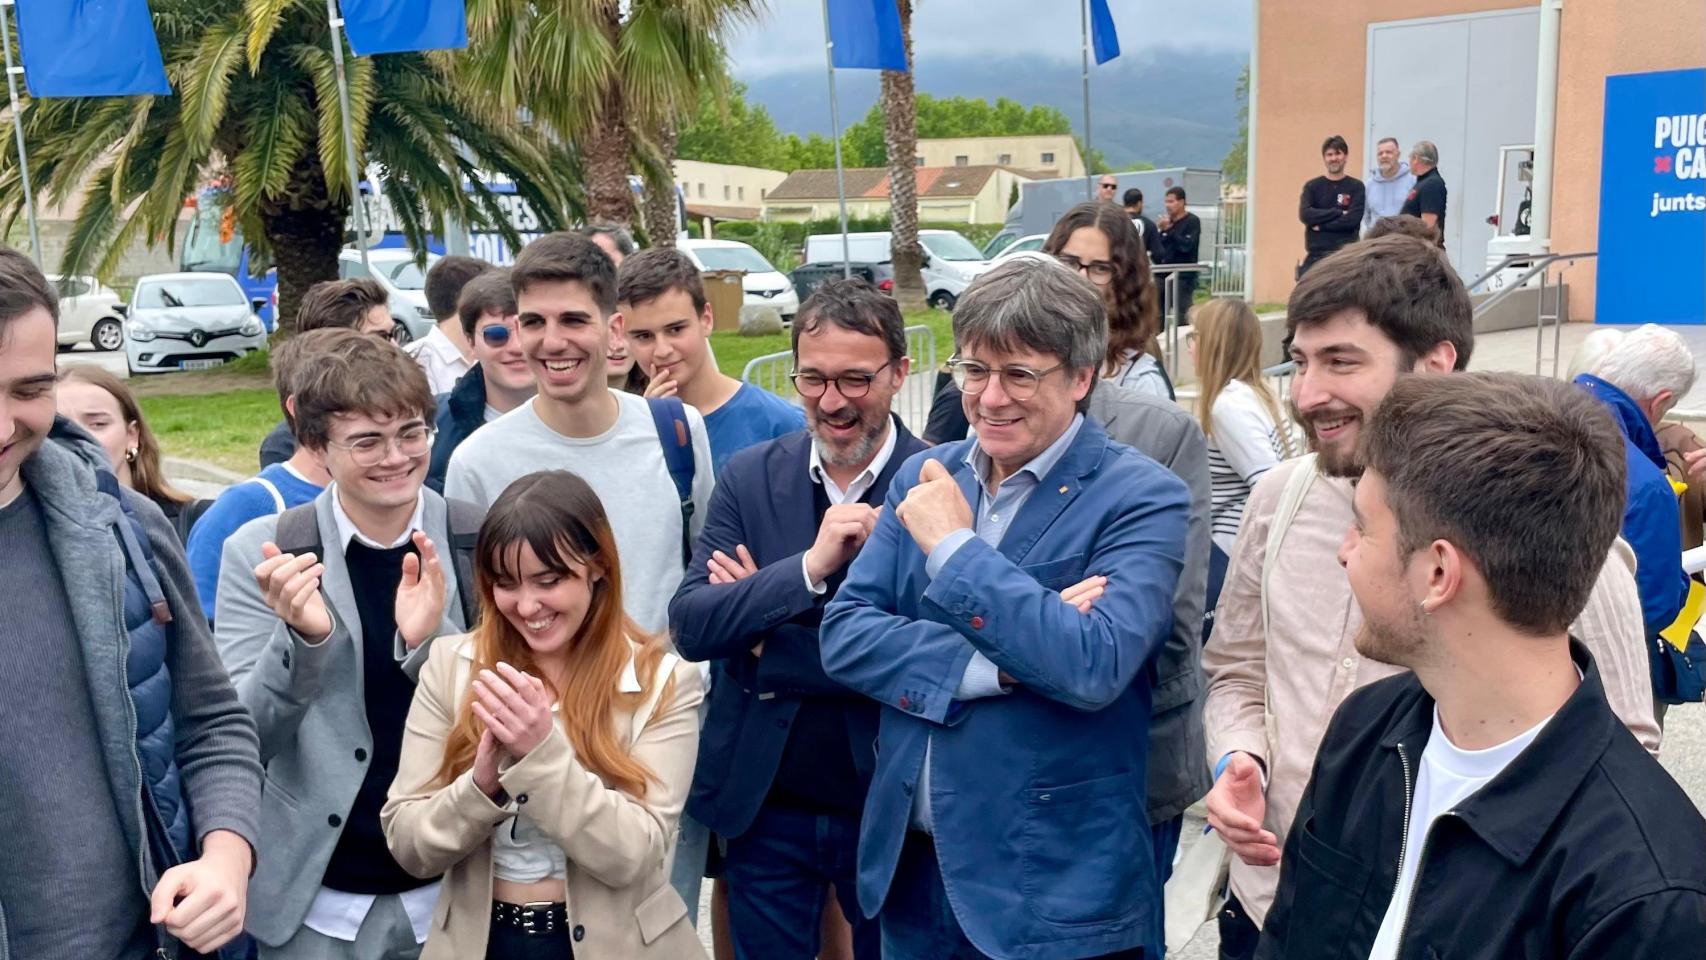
[{"x": 200, "y": 364}]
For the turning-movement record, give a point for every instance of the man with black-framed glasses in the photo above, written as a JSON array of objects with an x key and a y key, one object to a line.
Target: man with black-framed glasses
[
  {"x": 1004, "y": 612},
  {"x": 326, "y": 613},
  {"x": 786, "y": 751},
  {"x": 500, "y": 380}
]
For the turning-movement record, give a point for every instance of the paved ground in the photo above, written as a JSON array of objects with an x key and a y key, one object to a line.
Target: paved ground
[{"x": 112, "y": 360}]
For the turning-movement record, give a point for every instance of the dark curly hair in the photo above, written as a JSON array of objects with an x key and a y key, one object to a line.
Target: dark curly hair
[{"x": 1134, "y": 312}]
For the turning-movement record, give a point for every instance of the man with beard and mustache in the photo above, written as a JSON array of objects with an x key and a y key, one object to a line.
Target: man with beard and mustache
[
  {"x": 1331, "y": 208},
  {"x": 1537, "y": 826},
  {"x": 785, "y": 756},
  {"x": 1282, "y": 655}
]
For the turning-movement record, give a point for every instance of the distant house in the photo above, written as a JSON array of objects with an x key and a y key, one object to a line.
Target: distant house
[
  {"x": 951, "y": 194},
  {"x": 1050, "y": 156},
  {"x": 722, "y": 191}
]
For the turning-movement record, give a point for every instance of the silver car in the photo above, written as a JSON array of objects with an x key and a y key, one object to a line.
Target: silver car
[{"x": 189, "y": 321}]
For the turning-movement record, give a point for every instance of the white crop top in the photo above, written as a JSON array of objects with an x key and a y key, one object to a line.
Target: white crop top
[{"x": 522, "y": 853}]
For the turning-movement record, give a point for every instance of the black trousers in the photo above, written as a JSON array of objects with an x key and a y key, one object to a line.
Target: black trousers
[
  {"x": 1238, "y": 933},
  {"x": 506, "y": 942}
]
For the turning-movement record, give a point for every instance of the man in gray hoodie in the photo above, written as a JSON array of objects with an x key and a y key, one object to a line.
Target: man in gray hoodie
[
  {"x": 1388, "y": 184},
  {"x": 132, "y": 772}
]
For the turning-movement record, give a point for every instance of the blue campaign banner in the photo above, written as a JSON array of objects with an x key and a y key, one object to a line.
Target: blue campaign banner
[
  {"x": 89, "y": 48},
  {"x": 1103, "y": 39},
  {"x": 866, "y": 35},
  {"x": 1652, "y": 199},
  {"x": 400, "y": 26}
]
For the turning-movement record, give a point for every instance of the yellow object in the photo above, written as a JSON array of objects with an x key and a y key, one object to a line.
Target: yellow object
[
  {"x": 1677, "y": 633},
  {"x": 1677, "y": 486}
]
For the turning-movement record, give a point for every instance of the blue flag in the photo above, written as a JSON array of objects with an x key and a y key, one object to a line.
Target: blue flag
[
  {"x": 89, "y": 48},
  {"x": 397, "y": 26},
  {"x": 1102, "y": 36},
  {"x": 866, "y": 34}
]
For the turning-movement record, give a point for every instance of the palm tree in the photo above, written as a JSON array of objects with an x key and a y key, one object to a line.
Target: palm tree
[
  {"x": 611, "y": 84},
  {"x": 256, "y": 105},
  {"x": 900, "y": 135}
]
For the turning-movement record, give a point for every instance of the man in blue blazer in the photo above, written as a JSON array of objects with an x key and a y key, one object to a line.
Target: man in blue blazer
[
  {"x": 1007, "y": 816},
  {"x": 786, "y": 752}
]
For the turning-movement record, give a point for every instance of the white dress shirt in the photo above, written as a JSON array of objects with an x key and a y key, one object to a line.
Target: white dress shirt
[
  {"x": 440, "y": 359},
  {"x": 858, "y": 488}
]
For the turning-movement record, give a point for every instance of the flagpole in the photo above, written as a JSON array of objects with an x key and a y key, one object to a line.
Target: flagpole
[
  {"x": 18, "y": 128},
  {"x": 1084, "y": 26},
  {"x": 356, "y": 203},
  {"x": 835, "y": 130}
]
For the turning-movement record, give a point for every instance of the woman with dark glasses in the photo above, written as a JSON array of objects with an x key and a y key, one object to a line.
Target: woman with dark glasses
[{"x": 500, "y": 380}]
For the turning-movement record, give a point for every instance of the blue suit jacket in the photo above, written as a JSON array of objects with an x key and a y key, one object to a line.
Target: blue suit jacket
[
  {"x": 1037, "y": 797},
  {"x": 765, "y": 500}
]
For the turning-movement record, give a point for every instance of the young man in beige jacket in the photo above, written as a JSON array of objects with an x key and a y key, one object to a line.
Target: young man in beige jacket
[{"x": 1282, "y": 656}]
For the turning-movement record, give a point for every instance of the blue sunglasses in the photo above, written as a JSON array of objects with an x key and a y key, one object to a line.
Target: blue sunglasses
[{"x": 496, "y": 335}]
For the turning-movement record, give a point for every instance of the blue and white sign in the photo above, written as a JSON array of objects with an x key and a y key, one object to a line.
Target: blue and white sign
[{"x": 1652, "y": 199}]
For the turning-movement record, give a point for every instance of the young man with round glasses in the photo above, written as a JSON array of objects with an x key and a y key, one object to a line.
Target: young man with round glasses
[
  {"x": 326, "y": 613},
  {"x": 500, "y": 379},
  {"x": 786, "y": 754}
]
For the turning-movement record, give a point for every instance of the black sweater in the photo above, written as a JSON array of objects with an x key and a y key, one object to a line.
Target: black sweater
[{"x": 1331, "y": 211}]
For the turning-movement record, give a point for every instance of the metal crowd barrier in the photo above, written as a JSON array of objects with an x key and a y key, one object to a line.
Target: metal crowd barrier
[{"x": 912, "y": 403}]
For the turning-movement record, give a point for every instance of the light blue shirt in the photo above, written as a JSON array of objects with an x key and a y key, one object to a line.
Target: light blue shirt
[{"x": 995, "y": 515}]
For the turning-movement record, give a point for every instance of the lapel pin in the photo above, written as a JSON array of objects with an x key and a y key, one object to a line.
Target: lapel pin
[{"x": 1063, "y": 488}]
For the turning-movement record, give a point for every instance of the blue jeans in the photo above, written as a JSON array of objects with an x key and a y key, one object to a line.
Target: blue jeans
[
  {"x": 1165, "y": 836},
  {"x": 919, "y": 923},
  {"x": 776, "y": 873},
  {"x": 687, "y": 872}
]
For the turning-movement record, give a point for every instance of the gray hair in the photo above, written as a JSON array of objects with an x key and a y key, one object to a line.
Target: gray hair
[
  {"x": 1425, "y": 151},
  {"x": 1648, "y": 361},
  {"x": 1595, "y": 347},
  {"x": 1035, "y": 303}
]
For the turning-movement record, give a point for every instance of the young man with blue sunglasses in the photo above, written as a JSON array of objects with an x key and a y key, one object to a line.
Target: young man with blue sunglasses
[{"x": 500, "y": 380}]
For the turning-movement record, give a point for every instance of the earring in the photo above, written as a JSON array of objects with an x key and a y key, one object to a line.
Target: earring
[{"x": 130, "y": 455}]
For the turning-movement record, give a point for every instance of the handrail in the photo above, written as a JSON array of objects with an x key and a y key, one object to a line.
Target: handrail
[
  {"x": 1507, "y": 261},
  {"x": 1540, "y": 266}
]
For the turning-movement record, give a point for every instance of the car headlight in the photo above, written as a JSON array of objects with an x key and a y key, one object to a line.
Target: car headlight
[
  {"x": 252, "y": 327},
  {"x": 425, "y": 314},
  {"x": 140, "y": 333}
]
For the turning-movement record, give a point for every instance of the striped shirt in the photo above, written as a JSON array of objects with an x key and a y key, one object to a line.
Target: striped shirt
[{"x": 1245, "y": 444}]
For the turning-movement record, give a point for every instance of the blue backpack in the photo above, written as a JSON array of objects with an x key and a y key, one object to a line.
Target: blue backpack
[{"x": 669, "y": 415}]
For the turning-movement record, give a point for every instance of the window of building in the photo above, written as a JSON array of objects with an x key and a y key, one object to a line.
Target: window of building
[
  {"x": 1004, "y": 159},
  {"x": 740, "y": 192},
  {"x": 961, "y": 160},
  {"x": 1048, "y": 158},
  {"x": 918, "y": 161},
  {"x": 701, "y": 191},
  {"x": 763, "y": 193},
  {"x": 725, "y": 191}
]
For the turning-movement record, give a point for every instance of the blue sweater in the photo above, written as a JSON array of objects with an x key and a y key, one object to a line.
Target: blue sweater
[
  {"x": 752, "y": 415},
  {"x": 239, "y": 504},
  {"x": 1652, "y": 519}
]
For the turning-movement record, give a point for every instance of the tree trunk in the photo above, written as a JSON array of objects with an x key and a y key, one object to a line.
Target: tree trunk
[
  {"x": 900, "y": 135},
  {"x": 659, "y": 208},
  {"x": 609, "y": 198},
  {"x": 305, "y": 237}
]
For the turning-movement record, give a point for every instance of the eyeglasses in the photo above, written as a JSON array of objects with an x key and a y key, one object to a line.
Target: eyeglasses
[
  {"x": 1020, "y": 383},
  {"x": 1109, "y": 186},
  {"x": 1100, "y": 272},
  {"x": 370, "y": 450},
  {"x": 852, "y": 386},
  {"x": 496, "y": 335}
]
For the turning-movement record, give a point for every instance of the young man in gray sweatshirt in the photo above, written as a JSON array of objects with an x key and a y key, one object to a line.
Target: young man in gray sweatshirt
[{"x": 131, "y": 770}]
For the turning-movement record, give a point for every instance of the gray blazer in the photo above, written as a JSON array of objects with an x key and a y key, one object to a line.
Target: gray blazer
[
  {"x": 1164, "y": 432},
  {"x": 308, "y": 706}
]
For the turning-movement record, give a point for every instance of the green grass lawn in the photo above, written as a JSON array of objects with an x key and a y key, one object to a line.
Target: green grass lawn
[{"x": 219, "y": 416}]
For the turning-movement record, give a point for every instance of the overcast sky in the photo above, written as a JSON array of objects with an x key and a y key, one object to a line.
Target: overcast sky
[{"x": 790, "y": 36}]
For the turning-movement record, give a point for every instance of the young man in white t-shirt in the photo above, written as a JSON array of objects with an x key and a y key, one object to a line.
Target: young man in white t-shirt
[
  {"x": 1488, "y": 804},
  {"x": 565, "y": 292}
]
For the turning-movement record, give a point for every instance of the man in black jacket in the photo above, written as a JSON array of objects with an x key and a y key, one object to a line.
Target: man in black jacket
[
  {"x": 1181, "y": 241},
  {"x": 500, "y": 380},
  {"x": 1491, "y": 791},
  {"x": 1331, "y": 207}
]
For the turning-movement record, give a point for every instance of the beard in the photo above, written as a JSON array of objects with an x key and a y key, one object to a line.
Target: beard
[
  {"x": 1399, "y": 643},
  {"x": 1338, "y": 459},
  {"x": 849, "y": 453}
]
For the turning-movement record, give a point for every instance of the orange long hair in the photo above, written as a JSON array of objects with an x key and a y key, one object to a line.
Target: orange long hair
[{"x": 556, "y": 514}]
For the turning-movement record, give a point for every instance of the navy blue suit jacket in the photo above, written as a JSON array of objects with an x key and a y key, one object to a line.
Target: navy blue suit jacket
[
  {"x": 765, "y": 500},
  {"x": 1037, "y": 797}
]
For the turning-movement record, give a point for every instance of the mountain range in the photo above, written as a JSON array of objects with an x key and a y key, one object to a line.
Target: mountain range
[{"x": 1167, "y": 107}]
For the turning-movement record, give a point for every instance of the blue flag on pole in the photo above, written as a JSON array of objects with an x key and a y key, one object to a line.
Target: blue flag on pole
[
  {"x": 398, "y": 26},
  {"x": 866, "y": 34},
  {"x": 1102, "y": 36},
  {"x": 89, "y": 48}
]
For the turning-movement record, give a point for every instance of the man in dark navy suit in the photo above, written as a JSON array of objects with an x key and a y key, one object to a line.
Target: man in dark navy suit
[{"x": 786, "y": 753}]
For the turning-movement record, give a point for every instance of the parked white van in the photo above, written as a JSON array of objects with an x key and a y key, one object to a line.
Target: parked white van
[{"x": 951, "y": 263}]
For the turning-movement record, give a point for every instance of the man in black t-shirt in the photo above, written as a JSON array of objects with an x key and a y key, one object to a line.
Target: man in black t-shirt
[
  {"x": 1146, "y": 229},
  {"x": 1181, "y": 235},
  {"x": 1331, "y": 207},
  {"x": 1427, "y": 197}
]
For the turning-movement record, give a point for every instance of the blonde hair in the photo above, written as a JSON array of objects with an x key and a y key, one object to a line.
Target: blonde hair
[
  {"x": 1229, "y": 347},
  {"x": 147, "y": 476},
  {"x": 558, "y": 516}
]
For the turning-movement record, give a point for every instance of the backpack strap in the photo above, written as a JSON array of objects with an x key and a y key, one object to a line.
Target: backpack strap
[
  {"x": 465, "y": 520},
  {"x": 1291, "y": 498},
  {"x": 278, "y": 504},
  {"x": 669, "y": 415},
  {"x": 299, "y": 531}
]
